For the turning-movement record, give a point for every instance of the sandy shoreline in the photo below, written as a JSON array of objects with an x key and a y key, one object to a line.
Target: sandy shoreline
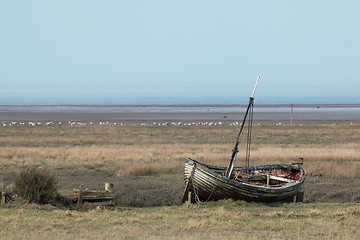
[{"x": 319, "y": 113}]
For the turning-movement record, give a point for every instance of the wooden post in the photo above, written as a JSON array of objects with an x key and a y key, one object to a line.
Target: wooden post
[
  {"x": 291, "y": 118},
  {"x": 3, "y": 195},
  {"x": 80, "y": 199},
  {"x": 189, "y": 196},
  {"x": 109, "y": 187},
  {"x": 299, "y": 197},
  {"x": 185, "y": 190}
]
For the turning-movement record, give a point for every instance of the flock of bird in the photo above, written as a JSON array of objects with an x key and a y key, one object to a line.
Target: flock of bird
[
  {"x": 73, "y": 123},
  {"x": 50, "y": 123},
  {"x": 180, "y": 123}
]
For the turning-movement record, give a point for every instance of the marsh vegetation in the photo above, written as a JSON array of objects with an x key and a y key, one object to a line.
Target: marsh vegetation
[{"x": 145, "y": 163}]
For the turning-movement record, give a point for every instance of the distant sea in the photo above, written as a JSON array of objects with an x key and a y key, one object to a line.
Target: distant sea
[{"x": 176, "y": 96}]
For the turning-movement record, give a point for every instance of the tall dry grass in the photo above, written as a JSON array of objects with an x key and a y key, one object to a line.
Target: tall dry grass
[{"x": 136, "y": 150}]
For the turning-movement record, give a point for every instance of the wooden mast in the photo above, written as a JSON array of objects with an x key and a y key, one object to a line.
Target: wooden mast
[{"x": 235, "y": 150}]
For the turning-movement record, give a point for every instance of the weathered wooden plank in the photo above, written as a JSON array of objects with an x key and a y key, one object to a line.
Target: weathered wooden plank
[
  {"x": 281, "y": 179},
  {"x": 87, "y": 195}
]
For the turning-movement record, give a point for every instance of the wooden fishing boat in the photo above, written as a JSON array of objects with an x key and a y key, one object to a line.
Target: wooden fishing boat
[{"x": 267, "y": 183}]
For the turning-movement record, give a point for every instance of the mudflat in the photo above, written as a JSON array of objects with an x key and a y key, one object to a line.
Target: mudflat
[{"x": 299, "y": 113}]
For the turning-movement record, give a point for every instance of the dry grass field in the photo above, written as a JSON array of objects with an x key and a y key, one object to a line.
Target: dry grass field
[
  {"x": 145, "y": 163},
  {"x": 219, "y": 220},
  {"x": 138, "y": 150}
]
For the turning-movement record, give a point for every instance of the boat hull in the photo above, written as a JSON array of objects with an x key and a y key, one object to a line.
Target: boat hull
[{"x": 207, "y": 182}]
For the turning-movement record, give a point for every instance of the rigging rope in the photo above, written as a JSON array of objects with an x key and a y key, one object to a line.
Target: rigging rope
[{"x": 248, "y": 142}]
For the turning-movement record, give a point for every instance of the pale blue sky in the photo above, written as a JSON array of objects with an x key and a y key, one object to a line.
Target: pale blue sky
[{"x": 179, "y": 44}]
